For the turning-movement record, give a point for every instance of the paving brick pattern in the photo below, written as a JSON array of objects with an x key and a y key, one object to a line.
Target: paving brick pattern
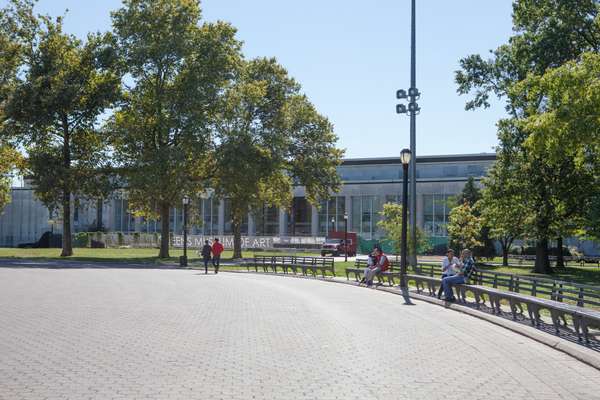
[{"x": 168, "y": 334}]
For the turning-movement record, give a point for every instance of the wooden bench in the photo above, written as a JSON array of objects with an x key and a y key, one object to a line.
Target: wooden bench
[
  {"x": 293, "y": 264},
  {"x": 359, "y": 268},
  {"x": 563, "y": 298}
]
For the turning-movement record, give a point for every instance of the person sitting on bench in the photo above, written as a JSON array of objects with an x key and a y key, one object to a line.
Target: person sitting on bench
[
  {"x": 450, "y": 265},
  {"x": 468, "y": 266},
  {"x": 382, "y": 264}
]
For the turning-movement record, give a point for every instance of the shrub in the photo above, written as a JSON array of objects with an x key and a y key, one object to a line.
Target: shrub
[{"x": 81, "y": 239}]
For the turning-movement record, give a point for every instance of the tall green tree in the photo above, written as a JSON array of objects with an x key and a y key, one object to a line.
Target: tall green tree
[
  {"x": 470, "y": 193},
  {"x": 391, "y": 224},
  {"x": 9, "y": 161},
  {"x": 163, "y": 132},
  {"x": 54, "y": 112},
  {"x": 547, "y": 33},
  {"x": 464, "y": 227},
  {"x": 501, "y": 206},
  {"x": 17, "y": 27},
  {"x": 270, "y": 137}
]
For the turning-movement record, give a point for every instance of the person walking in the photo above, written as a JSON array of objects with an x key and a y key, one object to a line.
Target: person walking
[
  {"x": 206, "y": 250},
  {"x": 217, "y": 249}
]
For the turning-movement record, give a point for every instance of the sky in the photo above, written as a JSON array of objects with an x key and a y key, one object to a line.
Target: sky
[{"x": 350, "y": 56}]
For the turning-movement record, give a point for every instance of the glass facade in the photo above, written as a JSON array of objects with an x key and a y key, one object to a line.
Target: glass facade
[
  {"x": 332, "y": 209},
  {"x": 209, "y": 211},
  {"x": 228, "y": 228},
  {"x": 393, "y": 172},
  {"x": 266, "y": 221},
  {"x": 366, "y": 214},
  {"x": 124, "y": 220},
  {"x": 435, "y": 214},
  {"x": 299, "y": 218}
]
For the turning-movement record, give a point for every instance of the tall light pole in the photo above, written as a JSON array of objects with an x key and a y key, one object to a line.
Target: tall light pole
[
  {"x": 405, "y": 158},
  {"x": 183, "y": 260},
  {"x": 412, "y": 110},
  {"x": 346, "y": 237},
  {"x": 332, "y": 225}
]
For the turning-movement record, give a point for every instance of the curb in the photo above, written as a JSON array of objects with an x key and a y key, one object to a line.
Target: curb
[{"x": 578, "y": 352}]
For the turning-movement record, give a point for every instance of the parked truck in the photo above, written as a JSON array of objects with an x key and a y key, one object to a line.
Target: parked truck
[{"x": 334, "y": 244}]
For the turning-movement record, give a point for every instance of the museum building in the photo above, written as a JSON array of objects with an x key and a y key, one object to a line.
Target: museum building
[{"x": 368, "y": 183}]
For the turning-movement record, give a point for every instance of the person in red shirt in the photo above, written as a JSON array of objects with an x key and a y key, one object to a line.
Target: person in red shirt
[{"x": 217, "y": 249}]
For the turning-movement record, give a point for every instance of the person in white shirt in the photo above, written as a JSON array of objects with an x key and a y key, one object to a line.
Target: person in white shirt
[{"x": 450, "y": 264}]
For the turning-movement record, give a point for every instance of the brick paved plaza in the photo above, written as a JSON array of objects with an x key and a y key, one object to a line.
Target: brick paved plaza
[{"x": 169, "y": 334}]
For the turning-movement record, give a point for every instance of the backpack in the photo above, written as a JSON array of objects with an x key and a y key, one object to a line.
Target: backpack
[{"x": 386, "y": 263}]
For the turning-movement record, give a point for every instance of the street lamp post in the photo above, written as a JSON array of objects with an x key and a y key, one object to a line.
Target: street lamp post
[
  {"x": 412, "y": 110},
  {"x": 332, "y": 224},
  {"x": 183, "y": 259},
  {"x": 345, "y": 237},
  {"x": 405, "y": 156}
]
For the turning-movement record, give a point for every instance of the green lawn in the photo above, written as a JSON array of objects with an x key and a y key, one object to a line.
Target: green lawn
[{"x": 116, "y": 255}]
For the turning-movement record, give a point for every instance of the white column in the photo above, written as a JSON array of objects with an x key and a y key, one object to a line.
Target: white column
[
  {"x": 282, "y": 223},
  {"x": 314, "y": 221},
  {"x": 221, "y": 217},
  {"x": 251, "y": 225}
]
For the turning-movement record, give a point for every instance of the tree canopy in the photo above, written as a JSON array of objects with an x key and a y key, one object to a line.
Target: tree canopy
[
  {"x": 547, "y": 35},
  {"x": 163, "y": 133},
  {"x": 270, "y": 137},
  {"x": 54, "y": 108}
]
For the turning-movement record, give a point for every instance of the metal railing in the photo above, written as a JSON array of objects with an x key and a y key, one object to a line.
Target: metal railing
[{"x": 578, "y": 294}]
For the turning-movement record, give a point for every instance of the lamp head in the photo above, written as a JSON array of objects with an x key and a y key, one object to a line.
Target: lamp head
[
  {"x": 405, "y": 156},
  {"x": 186, "y": 200},
  {"x": 345, "y": 217}
]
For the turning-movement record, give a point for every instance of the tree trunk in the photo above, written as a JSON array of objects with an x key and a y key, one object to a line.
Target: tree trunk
[
  {"x": 164, "y": 232},
  {"x": 99, "y": 215},
  {"x": 237, "y": 239},
  {"x": 67, "y": 245},
  {"x": 542, "y": 263},
  {"x": 504, "y": 255},
  {"x": 560, "y": 260}
]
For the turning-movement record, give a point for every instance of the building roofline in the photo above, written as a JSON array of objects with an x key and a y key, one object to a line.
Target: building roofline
[{"x": 422, "y": 159}]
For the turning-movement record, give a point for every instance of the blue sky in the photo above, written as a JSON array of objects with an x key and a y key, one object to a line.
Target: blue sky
[{"x": 350, "y": 57}]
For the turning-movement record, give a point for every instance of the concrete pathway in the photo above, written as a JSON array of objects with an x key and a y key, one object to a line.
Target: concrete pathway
[{"x": 180, "y": 334}]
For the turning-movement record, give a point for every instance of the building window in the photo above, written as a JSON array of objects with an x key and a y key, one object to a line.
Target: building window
[
  {"x": 299, "y": 219},
  {"x": 435, "y": 214},
  {"x": 209, "y": 209},
  {"x": 228, "y": 228},
  {"x": 366, "y": 214},
  {"x": 266, "y": 221},
  {"x": 334, "y": 208}
]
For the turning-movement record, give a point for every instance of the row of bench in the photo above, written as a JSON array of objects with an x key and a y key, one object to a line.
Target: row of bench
[
  {"x": 581, "y": 260},
  {"x": 565, "y": 299},
  {"x": 293, "y": 264}
]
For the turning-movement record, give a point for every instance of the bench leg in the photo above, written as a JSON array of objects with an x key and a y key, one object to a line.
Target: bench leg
[
  {"x": 577, "y": 326},
  {"x": 477, "y": 299},
  {"x": 513, "y": 308},
  {"x": 586, "y": 331},
  {"x": 555, "y": 320}
]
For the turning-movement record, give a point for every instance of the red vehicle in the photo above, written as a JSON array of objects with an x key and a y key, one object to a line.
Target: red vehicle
[{"x": 334, "y": 244}]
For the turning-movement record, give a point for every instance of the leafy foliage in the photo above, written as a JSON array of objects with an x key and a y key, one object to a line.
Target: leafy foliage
[
  {"x": 270, "y": 137},
  {"x": 54, "y": 108},
  {"x": 547, "y": 34},
  {"x": 464, "y": 227},
  {"x": 163, "y": 132},
  {"x": 391, "y": 224}
]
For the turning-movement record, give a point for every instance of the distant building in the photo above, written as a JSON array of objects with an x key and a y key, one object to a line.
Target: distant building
[{"x": 367, "y": 184}]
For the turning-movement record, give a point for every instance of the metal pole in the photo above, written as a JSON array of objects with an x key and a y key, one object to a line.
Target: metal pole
[
  {"x": 413, "y": 136},
  {"x": 183, "y": 261},
  {"x": 346, "y": 239},
  {"x": 404, "y": 226}
]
